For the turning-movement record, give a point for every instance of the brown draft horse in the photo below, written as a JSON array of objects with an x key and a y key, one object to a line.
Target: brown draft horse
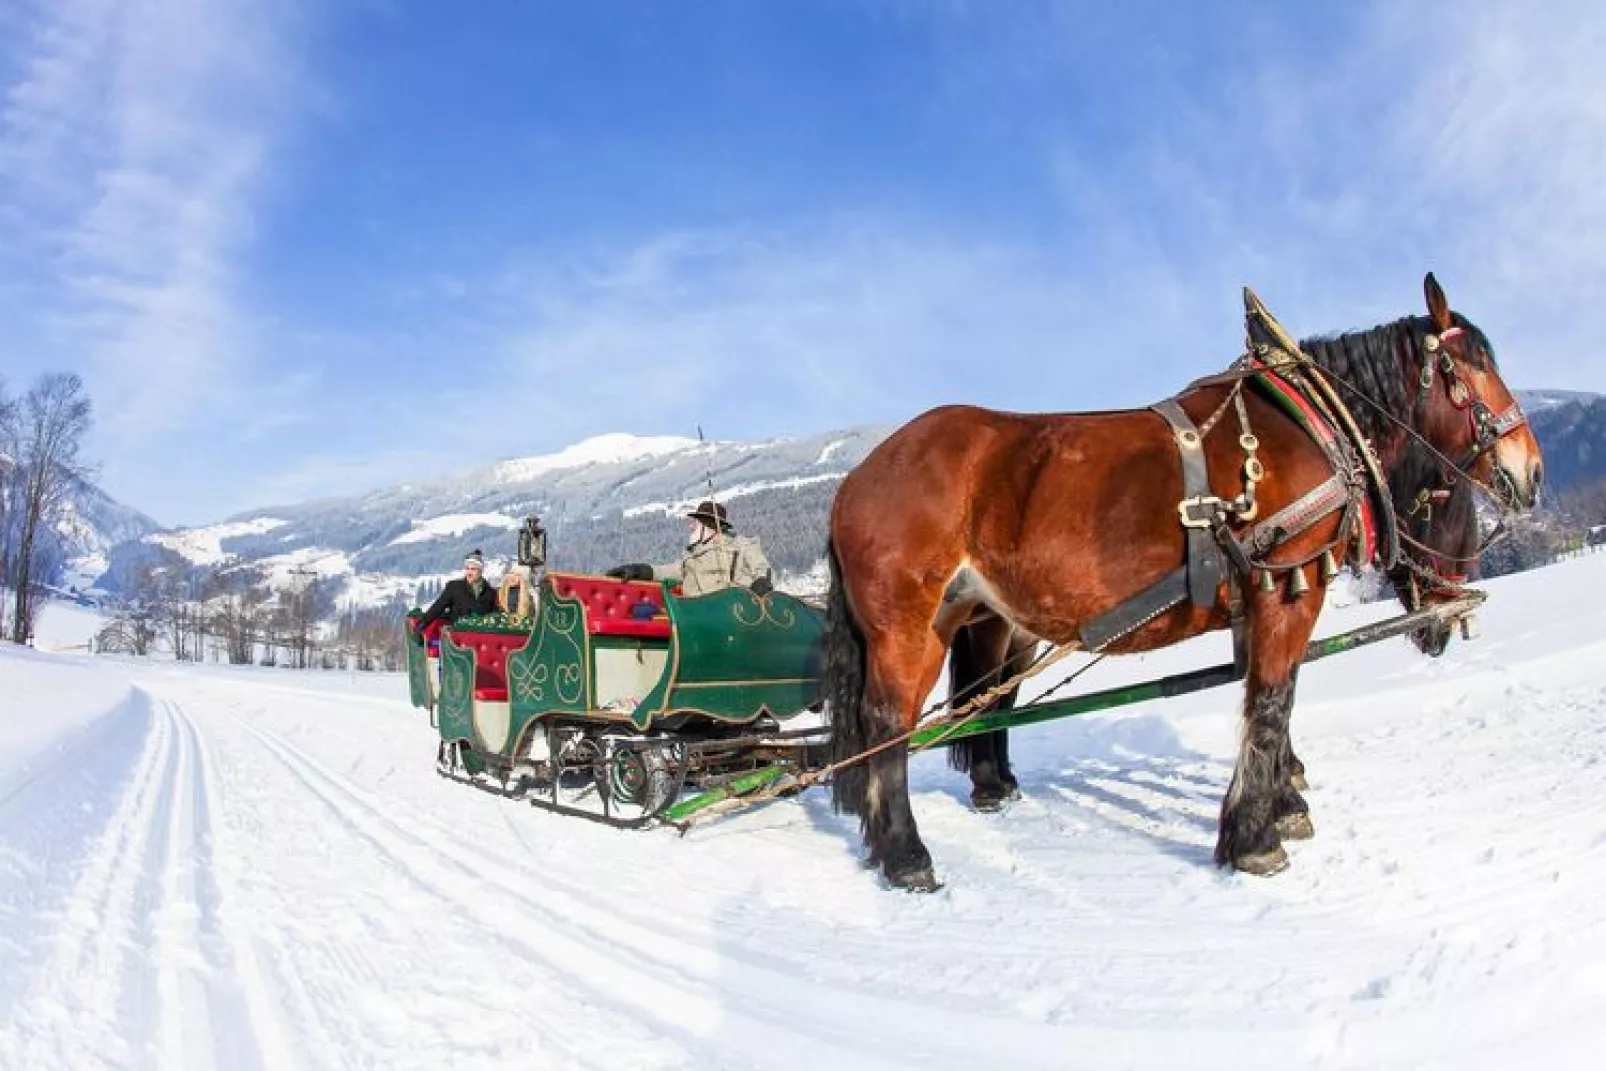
[{"x": 985, "y": 533}]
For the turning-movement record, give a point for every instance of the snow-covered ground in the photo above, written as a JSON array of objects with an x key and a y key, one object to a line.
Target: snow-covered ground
[{"x": 259, "y": 868}]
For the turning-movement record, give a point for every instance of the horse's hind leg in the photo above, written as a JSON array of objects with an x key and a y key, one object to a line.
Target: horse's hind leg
[
  {"x": 983, "y": 655},
  {"x": 1261, "y": 792},
  {"x": 899, "y": 676}
]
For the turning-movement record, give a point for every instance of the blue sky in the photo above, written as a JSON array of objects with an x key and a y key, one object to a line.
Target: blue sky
[{"x": 300, "y": 249}]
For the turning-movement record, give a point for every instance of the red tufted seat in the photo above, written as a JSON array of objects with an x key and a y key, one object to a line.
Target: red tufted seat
[
  {"x": 609, "y": 604},
  {"x": 490, "y": 660},
  {"x": 432, "y": 635}
]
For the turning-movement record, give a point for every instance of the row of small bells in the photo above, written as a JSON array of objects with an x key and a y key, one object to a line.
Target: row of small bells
[{"x": 1297, "y": 584}]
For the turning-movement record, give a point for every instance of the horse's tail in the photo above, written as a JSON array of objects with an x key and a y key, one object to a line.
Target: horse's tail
[{"x": 844, "y": 691}]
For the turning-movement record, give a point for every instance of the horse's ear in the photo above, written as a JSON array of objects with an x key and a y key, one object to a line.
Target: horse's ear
[{"x": 1438, "y": 304}]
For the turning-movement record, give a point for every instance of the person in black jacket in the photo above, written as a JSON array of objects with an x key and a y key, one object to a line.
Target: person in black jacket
[{"x": 462, "y": 598}]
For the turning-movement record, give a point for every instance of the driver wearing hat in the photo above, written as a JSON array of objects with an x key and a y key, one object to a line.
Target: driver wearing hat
[{"x": 715, "y": 558}]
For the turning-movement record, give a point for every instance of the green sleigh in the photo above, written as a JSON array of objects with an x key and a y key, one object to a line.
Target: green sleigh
[{"x": 608, "y": 668}]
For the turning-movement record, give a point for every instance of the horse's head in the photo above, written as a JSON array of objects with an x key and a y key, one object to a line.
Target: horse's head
[{"x": 1466, "y": 411}]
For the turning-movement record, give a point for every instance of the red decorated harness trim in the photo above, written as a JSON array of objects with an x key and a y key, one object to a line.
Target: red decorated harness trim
[{"x": 1319, "y": 428}]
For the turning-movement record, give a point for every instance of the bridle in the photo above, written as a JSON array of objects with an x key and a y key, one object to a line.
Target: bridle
[{"x": 1487, "y": 426}]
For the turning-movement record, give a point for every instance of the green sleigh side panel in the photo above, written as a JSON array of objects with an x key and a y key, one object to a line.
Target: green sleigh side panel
[
  {"x": 735, "y": 655},
  {"x": 458, "y": 671},
  {"x": 417, "y": 667},
  {"x": 552, "y": 673},
  {"x": 457, "y": 690}
]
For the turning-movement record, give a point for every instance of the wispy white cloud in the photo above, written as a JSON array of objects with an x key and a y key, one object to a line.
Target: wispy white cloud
[
  {"x": 1506, "y": 133},
  {"x": 323, "y": 474},
  {"x": 794, "y": 328},
  {"x": 1465, "y": 139},
  {"x": 134, "y": 141}
]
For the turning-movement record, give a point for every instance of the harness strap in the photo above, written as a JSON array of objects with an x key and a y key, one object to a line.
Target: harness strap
[
  {"x": 1198, "y": 508},
  {"x": 1293, "y": 519},
  {"x": 1170, "y": 590}
]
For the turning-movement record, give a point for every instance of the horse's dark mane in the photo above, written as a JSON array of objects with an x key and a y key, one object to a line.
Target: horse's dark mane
[
  {"x": 1372, "y": 363},
  {"x": 1383, "y": 363}
]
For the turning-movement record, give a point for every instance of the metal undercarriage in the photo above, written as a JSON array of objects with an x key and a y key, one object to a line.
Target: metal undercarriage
[{"x": 620, "y": 777}]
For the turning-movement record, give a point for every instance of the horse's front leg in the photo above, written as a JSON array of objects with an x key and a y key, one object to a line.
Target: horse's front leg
[
  {"x": 1262, "y": 803},
  {"x": 1293, "y": 813},
  {"x": 1296, "y": 771}
]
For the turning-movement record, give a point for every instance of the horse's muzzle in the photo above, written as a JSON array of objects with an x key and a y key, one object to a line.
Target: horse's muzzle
[
  {"x": 1432, "y": 639},
  {"x": 1519, "y": 494}
]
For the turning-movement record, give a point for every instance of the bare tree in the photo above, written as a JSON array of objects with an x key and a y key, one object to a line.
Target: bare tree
[
  {"x": 177, "y": 614},
  {"x": 237, "y": 611},
  {"x": 133, "y": 627},
  {"x": 8, "y": 472},
  {"x": 51, "y": 422},
  {"x": 374, "y": 635},
  {"x": 299, "y": 615}
]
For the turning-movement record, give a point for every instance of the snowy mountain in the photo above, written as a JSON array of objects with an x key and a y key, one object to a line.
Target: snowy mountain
[
  {"x": 1572, "y": 433},
  {"x": 1535, "y": 402},
  {"x": 95, "y": 522},
  {"x": 91, "y": 525},
  {"x": 610, "y": 499}
]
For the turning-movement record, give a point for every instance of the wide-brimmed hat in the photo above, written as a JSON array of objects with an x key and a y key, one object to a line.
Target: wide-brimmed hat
[{"x": 712, "y": 514}]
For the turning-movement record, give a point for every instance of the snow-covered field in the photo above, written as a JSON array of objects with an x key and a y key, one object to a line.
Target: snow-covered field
[{"x": 259, "y": 868}]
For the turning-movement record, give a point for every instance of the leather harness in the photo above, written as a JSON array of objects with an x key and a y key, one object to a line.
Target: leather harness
[
  {"x": 1357, "y": 484},
  {"x": 1271, "y": 361}
]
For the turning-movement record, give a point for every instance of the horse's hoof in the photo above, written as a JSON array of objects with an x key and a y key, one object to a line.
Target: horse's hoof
[
  {"x": 1299, "y": 782},
  {"x": 920, "y": 880},
  {"x": 991, "y": 802},
  {"x": 1262, "y": 864},
  {"x": 1296, "y": 826}
]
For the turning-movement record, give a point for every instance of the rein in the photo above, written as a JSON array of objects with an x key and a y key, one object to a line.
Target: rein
[{"x": 1488, "y": 431}]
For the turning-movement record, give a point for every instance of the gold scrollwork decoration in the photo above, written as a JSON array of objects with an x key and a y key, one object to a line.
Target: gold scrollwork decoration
[
  {"x": 529, "y": 684},
  {"x": 765, "y": 610},
  {"x": 455, "y": 685},
  {"x": 571, "y": 676}
]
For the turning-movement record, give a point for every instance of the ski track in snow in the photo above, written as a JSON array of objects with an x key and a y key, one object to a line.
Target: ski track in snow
[
  {"x": 241, "y": 870},
  {"x": 143, "y": 969}
]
